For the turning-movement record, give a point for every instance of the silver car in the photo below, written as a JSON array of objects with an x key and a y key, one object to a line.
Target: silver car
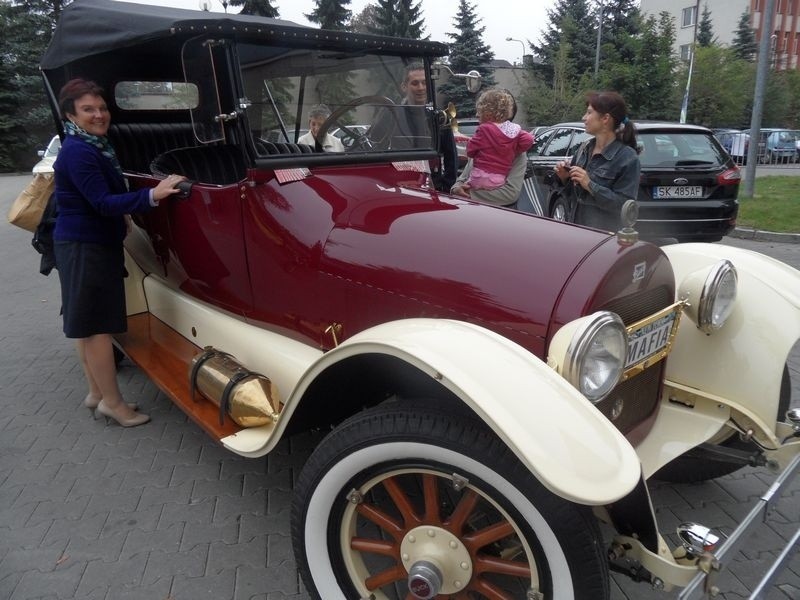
[{"x": 48, "y": 156}]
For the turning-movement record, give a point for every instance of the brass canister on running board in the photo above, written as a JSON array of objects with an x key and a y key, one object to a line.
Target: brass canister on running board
[{"x": 249, "y": 398}]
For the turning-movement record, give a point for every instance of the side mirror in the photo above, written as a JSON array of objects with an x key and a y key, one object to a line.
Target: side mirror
[{"x": 472, "y": 80}]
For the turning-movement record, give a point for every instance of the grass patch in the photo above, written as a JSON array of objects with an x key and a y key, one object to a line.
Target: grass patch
[{"x": 775, "y": 205}]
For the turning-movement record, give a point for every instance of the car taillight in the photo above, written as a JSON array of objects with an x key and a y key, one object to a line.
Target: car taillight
[{"x": 729, "y": 177}]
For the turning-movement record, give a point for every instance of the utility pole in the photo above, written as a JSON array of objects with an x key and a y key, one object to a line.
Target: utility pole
[
  {"x": 762, "y": 70},
  {"x": 597, "y": 48},
  {"x": 685, "y": 105}
]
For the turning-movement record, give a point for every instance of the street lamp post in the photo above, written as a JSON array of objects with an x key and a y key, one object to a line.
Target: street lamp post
[
  {"x": 522, "y": 59},
  {"x": 599, "y": 36}
]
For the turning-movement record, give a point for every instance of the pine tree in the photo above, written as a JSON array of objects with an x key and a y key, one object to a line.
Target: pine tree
[
  {"x": 25, "y": 118},
  {"x": 468, "y": 51},
  {"x": 744, "y": 42},
  {"x": 570, "y": 22},
  {"x": 646, "y": 79},
  {"x": 366, "y": 21},
  {"x": 330, "y": 14},
  {"x": 620, "y": 22},
  {"x": 705, "y": 33},
  {"x": 399, "y": 18},
  {"x": 620, "y": 17},
  {"x": 260, "y": 8}
]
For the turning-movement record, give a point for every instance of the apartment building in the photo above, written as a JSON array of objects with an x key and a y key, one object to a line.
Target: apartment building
[{"x": 725, "y": 15}]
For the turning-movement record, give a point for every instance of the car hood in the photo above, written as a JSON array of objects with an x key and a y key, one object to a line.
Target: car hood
[{"x": 415, "y": 252}]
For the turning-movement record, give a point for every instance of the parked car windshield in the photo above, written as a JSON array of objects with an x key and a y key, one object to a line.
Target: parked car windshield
[
  {"x": 670, "y": 149},
  {"x": 283, "y": 85}
]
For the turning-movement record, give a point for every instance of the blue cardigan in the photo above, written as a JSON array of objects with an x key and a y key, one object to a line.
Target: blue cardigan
[{"x": 92, "y": 196}]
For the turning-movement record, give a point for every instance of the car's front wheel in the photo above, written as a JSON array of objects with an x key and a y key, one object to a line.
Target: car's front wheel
[{"x": 406, "y": 501}]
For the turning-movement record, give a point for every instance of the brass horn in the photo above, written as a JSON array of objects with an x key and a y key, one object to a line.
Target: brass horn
[{"x": 450, "y": 111}]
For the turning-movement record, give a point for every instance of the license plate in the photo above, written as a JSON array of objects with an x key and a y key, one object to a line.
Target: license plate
[
  {"x": 650, "y": 340},
  {"x": 678, "y": 191}
]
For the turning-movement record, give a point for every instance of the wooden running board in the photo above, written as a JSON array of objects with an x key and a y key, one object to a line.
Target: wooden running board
[{"x": 166, "y": 357}]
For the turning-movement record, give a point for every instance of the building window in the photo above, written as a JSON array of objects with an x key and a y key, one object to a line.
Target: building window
[
  {"x": 688, "y": 16},
  {"x": 757, "y": 7},
  {"x": 686, "y": 51},
  {"x": 779, "y": 6}
]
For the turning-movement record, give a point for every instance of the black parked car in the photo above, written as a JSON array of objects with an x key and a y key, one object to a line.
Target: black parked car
[{"x": 689, "y": 184}]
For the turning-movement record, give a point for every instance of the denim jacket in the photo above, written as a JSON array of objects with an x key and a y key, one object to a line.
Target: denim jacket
[{"x": 614, "y": 175}]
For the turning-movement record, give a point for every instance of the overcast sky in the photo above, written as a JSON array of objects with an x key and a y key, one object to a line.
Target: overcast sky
[{"x": 522, "y": 19}]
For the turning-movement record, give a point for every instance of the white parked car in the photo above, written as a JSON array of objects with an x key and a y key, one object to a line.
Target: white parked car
[{"x": 48, "y": 156}]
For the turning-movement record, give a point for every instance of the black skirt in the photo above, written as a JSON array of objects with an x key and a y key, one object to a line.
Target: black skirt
[{"x": 92, "y": 288}]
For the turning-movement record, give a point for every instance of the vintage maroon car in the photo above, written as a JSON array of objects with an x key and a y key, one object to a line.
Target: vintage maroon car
[{"x": 495, "y": 383}]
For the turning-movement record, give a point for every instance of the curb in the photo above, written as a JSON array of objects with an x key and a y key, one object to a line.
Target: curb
[{"x": 765, "y": 236}]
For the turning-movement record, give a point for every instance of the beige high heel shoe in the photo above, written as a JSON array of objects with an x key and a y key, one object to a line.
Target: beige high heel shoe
[
  {"x": 108, "y": 413},
  {"x": 91, "y": 403}
]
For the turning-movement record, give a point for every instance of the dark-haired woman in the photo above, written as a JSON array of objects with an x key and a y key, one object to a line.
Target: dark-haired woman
[
  {"x": 604, "y": 172},
  {"x": 92, "y": 199}
]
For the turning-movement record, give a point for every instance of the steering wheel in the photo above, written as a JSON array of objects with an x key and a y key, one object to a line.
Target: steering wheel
[{"x": 363, "y": 141}]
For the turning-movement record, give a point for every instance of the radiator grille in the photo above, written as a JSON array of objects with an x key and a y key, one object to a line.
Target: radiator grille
[{"x": 639, "y": 395}]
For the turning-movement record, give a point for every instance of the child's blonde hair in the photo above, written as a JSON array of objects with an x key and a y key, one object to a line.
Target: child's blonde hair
[{"x": 496, "y": 105}]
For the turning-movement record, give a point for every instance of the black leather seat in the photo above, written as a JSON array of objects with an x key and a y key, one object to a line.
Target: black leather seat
[
  {"x": 137, "y": 144},
  {"x": 220, "y": 165},
  {"x": 271, "y": 148}
]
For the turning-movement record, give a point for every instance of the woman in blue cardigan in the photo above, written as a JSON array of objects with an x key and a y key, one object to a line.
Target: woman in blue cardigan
[{"x": 92, "y": 198}]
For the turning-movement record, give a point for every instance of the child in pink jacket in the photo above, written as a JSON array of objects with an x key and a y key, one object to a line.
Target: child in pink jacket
[{"x": 496, "y": 143}]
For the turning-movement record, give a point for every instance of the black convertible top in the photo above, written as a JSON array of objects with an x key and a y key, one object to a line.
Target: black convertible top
[{"x": 90, "y": 27}]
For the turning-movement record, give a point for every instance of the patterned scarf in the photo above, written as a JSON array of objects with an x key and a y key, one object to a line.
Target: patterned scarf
[{"x": 99, "y": 142}]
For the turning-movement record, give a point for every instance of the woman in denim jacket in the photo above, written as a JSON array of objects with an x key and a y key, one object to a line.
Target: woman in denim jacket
[{"x": 605, "y": 170}]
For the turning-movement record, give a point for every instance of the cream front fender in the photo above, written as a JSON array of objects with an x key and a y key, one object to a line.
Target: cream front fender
[
  {"x": 742, "y": 363},
  {"x": 556, "y": 433}
]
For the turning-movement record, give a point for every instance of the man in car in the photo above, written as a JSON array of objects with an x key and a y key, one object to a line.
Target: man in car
[{"x": 407, "y": 129}]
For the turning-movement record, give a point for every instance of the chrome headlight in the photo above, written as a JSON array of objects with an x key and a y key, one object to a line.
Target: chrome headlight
[
  {"x": 590, "y": 353},
  {"x": 711, "y": 294}
]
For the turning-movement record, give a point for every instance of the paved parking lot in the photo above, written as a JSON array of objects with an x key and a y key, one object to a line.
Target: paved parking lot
[{"x": 95, "y": 512}]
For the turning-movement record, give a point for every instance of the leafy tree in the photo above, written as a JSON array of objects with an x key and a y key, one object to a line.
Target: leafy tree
[
  {"x": 793, "y": 108},
  {"x": 718, "y": 79},
  {"x": 570, "y": 22},
  {"x": 619, "y": 16},
  {"x": 467, "y": 51},
  {"x": 555, "y": 96},
  {"x": 620, "y": 25},
  {"x": 778, "y": 100},
  {"x": 744, "y": 40},
  {"x": 366, "y": 21},
  {"x": 25, "y": 118},
  {"x": 330, "y": 14},
  {"x": 260, "y": 8},
  {"x": 705, "y": 32},
  {"x": 642, "y": 68},
  {"x": 399, "y": 18}
]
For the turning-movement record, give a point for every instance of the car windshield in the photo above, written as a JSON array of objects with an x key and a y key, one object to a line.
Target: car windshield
[
  {"x": 670, "y": 149},
  {"x": 284, "y": 85}
]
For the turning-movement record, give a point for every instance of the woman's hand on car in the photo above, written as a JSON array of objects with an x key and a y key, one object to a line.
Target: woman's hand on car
[{"x": 167, "y": 186}]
